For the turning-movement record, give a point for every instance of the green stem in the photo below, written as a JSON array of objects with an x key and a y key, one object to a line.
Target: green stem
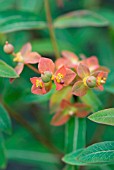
[
  {"x": 51, "y": 28},
  {"x": 33, "y": 68},
  {"x": 75, "y": 136}
]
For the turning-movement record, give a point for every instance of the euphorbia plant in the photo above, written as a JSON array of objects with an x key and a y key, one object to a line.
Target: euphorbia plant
[
  {"x": 69, "y": 72},
  {"x": 71, "y": 80}
]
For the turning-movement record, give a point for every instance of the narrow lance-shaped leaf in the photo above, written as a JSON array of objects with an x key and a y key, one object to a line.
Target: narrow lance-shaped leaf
[
  {"x": 7, "y": 71},
  {"x": 11, "y": 21},
  {"x": 5, "y": 122},
  {"x": 31, "y": 156},
  {"x": 103, "y": 116},
  {"x": 81, "y": 18}
]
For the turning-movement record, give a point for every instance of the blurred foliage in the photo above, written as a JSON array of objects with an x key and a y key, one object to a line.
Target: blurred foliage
[{"x": 25, "y": 25}]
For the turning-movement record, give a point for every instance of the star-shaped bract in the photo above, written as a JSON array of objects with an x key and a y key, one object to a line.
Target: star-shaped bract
[
  {"x": 88, "y": 80},
  {"x": 69, "y": 60},
  {"x": 25, "y": 56},
  {"x": 38, "y": 86}
]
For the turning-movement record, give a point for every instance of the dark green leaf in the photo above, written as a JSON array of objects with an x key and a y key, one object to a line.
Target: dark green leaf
[
  {"x": 7, "y": 71},
  {"x": 11, "y": 21},
  {"x": 3, "y": 160},
  {"x": 32, "y": 156},
  {"x": 5, "y": 122},
  {"x": 103, "y": 116},
  {"x": 32, "y": 153},
  {"x": 81, "y": 18}
]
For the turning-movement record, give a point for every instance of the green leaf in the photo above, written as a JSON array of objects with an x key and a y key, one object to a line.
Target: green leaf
[
  {"x": 75, "y": 129},
  {"x": 108, "y": 14},
  {"x": 14, "y": 20},
  {"x": 81, "y": 18},
  {"x": 103, "y": 116},
  {"x": 102, "y": 152},
  {"x": 71, "y": 158},
  {"x": 3, "y": 160},
  {"x": 32, "y": 156},
  {"x": 7, "y": 71},
  {"x": 5, "y": 122},
  {"x": 99, "y": 153}
]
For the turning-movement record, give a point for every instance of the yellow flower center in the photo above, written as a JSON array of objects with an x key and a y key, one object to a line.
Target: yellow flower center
[
  {"x": 59, "y": 78},
  {"x": 84, "y": 80},
  {"x": 52, "y": 78},
  {"x": 101, "y": 80},
  {"x": 39, "y": 84},
  {"x": 18, "y": 58}
]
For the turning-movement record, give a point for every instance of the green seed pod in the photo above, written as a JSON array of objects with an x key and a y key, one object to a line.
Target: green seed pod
[
  {"x": 91, "y": 81},
  {"x": 46, "y": 77},
  {"x": 8, "y": 48},
  {"x": 48, "y": 73}
]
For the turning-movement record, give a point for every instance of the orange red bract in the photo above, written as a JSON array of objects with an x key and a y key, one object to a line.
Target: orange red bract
[
  {"x": 67, "y": 110},
  {"x": 25, "y": 56}
]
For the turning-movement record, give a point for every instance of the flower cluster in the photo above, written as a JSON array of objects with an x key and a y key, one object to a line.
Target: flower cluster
[
  {"x": 69, "y": 71},
  {"x": 62, "y": 76},
  {"x": 66, "y": 71}
]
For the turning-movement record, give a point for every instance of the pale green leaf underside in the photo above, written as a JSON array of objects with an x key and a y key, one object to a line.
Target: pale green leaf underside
[
  {"x": 80, "y": 18},
  {"x": 7, "y": 71},
  {"x": 99, "y": 153},
  {"x": 102, "y": 152},
  {"x": 103, "y": 116}
]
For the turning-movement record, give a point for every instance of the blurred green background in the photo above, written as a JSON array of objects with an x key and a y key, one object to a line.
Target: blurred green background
[{"x": 22, "y": 150}]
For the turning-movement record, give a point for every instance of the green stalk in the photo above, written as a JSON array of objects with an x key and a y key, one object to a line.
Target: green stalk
[
  {"x": 75, "y": 137},
  {"x": 51, "y": 28}
]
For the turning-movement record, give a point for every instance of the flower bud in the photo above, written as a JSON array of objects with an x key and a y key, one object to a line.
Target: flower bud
[
  {"x": 91, "y": 81},
  {"x": 46, "y": 77},
  {"x": 8, "y": 48}
]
